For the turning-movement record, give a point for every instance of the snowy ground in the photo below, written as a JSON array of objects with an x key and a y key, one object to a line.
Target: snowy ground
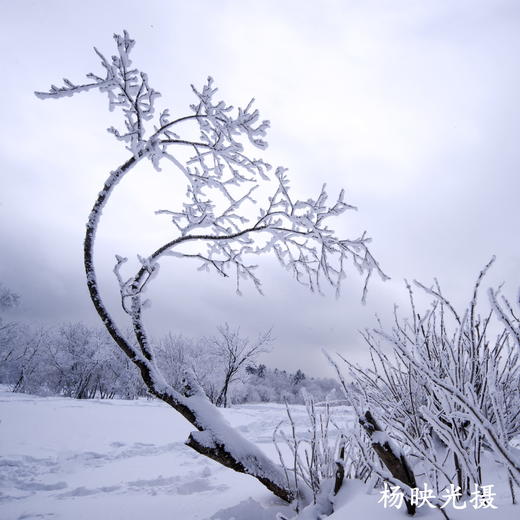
[{"x": 72, "y": 460}]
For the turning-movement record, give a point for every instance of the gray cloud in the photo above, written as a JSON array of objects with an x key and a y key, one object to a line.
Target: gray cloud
[{"x": 413, "y": 108}]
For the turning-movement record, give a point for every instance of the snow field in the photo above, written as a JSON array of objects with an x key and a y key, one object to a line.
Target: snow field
[
  {"x": 108, "y": 459},
  {"x": 66, "y": 459}
]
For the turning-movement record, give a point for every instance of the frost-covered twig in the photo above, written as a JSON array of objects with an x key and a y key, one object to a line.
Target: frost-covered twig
[{"x": 443, "y": 389}]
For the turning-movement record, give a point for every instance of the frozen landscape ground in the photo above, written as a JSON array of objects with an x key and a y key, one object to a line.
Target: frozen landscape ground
[{"x": 66, "y": 459}]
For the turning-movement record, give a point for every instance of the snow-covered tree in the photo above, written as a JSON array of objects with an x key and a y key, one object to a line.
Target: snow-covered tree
[
  {"x": 221, "y": 224},
  {"x": 8, "y": 298},
  {"x": 9, "y": 333},
  {"x": 299, "y": 376},
  {"x": 173, "y": 353},
  {"x": 176, "y": 353},
  {"x": 72, "y": 360},
  {"x": 235, "y": 352},
  {"x": 23, "y": 366}
]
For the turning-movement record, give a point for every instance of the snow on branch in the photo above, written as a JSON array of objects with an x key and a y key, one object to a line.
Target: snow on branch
[
  {"x": 506, "y": 314},
  {"x": 127, "y": 88},
  {"x": 219, "y": 166}
]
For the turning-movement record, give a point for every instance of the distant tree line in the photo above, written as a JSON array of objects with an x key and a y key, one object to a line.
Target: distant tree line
[
  {"x": 78, "y": 361},
  {"x": 226, "y": 367},
  {"x": 72, "y": 360},
  {"x": 273, "y": 385}
]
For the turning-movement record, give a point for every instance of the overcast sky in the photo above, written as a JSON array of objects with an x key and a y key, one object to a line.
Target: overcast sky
[{"x": 413, "y": 107}]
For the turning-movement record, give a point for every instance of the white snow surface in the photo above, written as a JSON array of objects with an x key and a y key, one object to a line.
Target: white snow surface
[{"x": 64, "y": 459}]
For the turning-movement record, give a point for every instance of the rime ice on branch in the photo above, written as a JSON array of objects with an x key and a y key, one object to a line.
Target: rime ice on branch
[
  {"x": 216, "y": 165},
  {"x": 445, "y": 386}
]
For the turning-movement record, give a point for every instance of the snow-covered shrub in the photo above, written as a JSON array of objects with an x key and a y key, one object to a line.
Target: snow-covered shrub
[
  {"x": 445, "y": 390},
  {"x": 312, "y": 465}
]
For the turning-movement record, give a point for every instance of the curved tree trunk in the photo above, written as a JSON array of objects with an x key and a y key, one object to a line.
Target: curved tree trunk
[{"x": 215, "y": 438}]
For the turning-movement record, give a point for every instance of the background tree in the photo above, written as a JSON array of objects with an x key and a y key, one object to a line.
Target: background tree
[
  {"x": 71, "y": 360},
  {"x": 299, "y": 376},
  {"x": 173, "y": 354},
  {"x": 235, "y": 352},
  {"x": 216, "y": 225},
  {"x": 8, "y": 299},
  {"x": 9, "y": 331}
]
